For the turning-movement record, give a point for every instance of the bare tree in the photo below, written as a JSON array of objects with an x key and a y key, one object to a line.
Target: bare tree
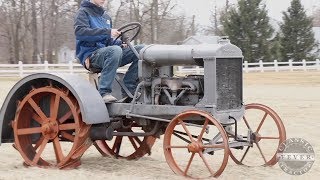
[
  {"x": 192, "y": 29},
  {"x": 5, "y": 34},
  {"x": 316, "y": 18},
  {"x": 34, "y": 32},
  {"x": 52, "y": 30},
  {"x": 215, "y": 19},
  {"x": 15, "y": 16},
  {"x": 36, "y": 28},
  {"x": 16, "y": 28}
]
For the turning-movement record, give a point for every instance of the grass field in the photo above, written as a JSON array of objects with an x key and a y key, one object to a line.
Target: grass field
[{"x": 295, "y": 96}]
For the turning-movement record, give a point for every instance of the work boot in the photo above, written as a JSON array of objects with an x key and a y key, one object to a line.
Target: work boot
[{"x": 108, "y": 98}]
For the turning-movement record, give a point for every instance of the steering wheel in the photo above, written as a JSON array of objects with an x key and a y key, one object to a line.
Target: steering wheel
[
  {"x": 126, "y": 38},
  {"x": 125, "y": 29}
]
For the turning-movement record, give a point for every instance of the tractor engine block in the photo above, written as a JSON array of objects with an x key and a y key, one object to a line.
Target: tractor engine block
[{"x": 177, "y": 91}]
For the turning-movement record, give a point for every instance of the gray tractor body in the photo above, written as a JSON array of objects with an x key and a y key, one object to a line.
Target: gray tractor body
[{"x": 163, "y": 94}]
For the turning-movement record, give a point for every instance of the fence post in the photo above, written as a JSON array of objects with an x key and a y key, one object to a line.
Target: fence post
[
  {"x": 46, "y": 66},
  {"x": 304, "y": 65},
  {"x": 261, "y": 66},
  {"x": 197, "y": 69},
  {"x": 276, "y": 65},
  {"x": 290, "y": 65},
  {"x": 70, "y": 67},
  {"x": 20, "y": 66},
  {"x": 318, "y": 64},
  {"x": 246, "y": 66}
]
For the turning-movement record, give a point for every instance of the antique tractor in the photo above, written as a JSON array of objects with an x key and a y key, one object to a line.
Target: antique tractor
[{"x": 203, "y": 117}]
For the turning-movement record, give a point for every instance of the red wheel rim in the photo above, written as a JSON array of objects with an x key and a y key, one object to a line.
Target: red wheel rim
[
  {"x": 268, "y": 132},
  {"x": 36, "y": 126},
  {"x": 193, "y": 147}
]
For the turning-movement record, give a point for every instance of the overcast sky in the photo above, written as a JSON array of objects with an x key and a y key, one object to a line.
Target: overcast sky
[{"x": 202, "y": 8}]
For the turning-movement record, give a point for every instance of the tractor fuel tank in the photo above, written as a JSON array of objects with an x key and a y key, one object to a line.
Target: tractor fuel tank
[{"x": 166, "y": 55}]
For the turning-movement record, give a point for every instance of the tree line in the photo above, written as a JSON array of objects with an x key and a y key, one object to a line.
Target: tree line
[
  {"x": 32, "y": 31},
  {"x": 248, "y": 26}
]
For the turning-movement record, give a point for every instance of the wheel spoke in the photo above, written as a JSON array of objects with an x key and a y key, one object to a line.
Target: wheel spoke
[
  {"x": 246, "y": 122},
  {"x": 188, "y": 165},
  {"x": 138, "y": 140},
  {"x": 261, "y": 152},
  {"x": 118, "y": 147},
  {"x": 186, "y": 129},
  {"x": 171, "y": 147},
  {"x": 67, "y": 136},
  {"x": 206, "y": 163},
  {"x": 38, "y": 143},
  {"x": 54, "y": 106},
  {"x": 245, "y": 153},
  {"x": 37, "y": 118},
  {"x": 262, "y": 121},
  {"x": 117, "y": 143},
  {"x": 25, "y": 131},
  {"x": 37, "y": 109},
  {"x": 133, "y": 143},
  {"x": 65, "y": 117},
  {"x": 203, "y": 129},
  {"x": 57, "y": 149},
  {"x": 68, "y": 126},
  {"x": 37, "y": 156}
]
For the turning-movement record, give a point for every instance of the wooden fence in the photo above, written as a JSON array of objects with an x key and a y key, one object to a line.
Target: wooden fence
[{"x": 21, "y": 69}]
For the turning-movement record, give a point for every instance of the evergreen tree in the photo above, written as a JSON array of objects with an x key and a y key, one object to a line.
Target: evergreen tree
[
  {"x": 275, "y": 47},
  {"x": 297, "y": 38},
  {"x": 248, "y": 27}
]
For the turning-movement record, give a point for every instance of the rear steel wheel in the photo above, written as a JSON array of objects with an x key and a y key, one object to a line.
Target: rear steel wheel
[
  {"x": 45, "y": 118},
  {"x": 127, "y": 147},
  {"x": 196, "y": 151},
  {"x": 267, "y": 133}
]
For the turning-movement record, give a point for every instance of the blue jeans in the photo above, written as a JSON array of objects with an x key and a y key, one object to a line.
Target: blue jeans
[{"x": 108, "y": 59}]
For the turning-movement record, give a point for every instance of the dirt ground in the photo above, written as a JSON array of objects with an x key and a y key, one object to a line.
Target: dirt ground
[{"x": 295, "y": 96}]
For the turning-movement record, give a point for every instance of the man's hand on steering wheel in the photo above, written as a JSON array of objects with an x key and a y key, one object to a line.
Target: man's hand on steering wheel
[
  {"x": 125, "y": 37},
  {"x": 124, "y": 32},
  {"x": 115, "y": 33}
]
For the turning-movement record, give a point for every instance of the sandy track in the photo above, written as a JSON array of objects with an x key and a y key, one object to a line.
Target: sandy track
[{"x": 295, "y": 96}]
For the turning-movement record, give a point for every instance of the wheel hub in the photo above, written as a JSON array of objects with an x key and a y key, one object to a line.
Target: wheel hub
[
  {"x": 195, "y": 147},
  {"x": 256, "y": 137},
  {"x": 50, "y": 129}
]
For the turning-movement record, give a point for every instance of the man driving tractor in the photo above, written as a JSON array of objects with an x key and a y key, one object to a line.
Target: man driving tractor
[{"x": 97, "y": 50}]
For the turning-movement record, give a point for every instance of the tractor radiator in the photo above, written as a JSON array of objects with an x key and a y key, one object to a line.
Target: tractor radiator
[{"x": 229, "y": 83}]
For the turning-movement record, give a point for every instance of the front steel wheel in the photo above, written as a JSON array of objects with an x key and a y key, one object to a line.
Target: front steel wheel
[
  {"x": 196, "y": 145},
  {"x": 267, "y": 132}
]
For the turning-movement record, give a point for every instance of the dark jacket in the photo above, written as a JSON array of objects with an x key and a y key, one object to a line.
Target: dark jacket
[{"x": 92, "y": 26}]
